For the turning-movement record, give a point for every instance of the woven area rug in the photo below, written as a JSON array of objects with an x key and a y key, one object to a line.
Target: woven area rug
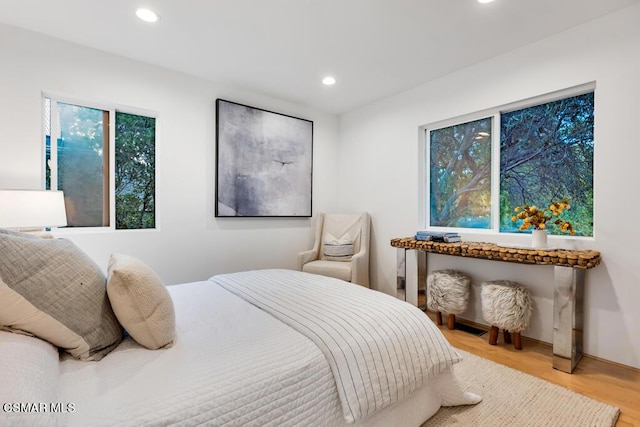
[{"x": 512, "y": 398}]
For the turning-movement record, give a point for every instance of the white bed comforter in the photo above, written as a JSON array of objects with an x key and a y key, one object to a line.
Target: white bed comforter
[
  {"x": 218, "y": 372},
  {"x": 234, "y": 364},
  {"x": 380, "y": 349}
]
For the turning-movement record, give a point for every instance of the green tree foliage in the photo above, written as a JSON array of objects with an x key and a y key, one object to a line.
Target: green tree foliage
[
  {"x": 461, "y": 175},
  {"x": 135, "y": 166},
  {"x": 546, "y": 155}
]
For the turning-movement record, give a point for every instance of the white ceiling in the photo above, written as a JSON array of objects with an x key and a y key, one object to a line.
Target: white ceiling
[{"x": 374, "y": 48}]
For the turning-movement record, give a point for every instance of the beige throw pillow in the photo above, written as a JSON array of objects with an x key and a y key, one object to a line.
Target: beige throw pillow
[{"x": 141, "y": 302}]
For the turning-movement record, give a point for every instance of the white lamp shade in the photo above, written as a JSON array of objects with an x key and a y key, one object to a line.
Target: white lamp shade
[{"x": 32, "y": 208}]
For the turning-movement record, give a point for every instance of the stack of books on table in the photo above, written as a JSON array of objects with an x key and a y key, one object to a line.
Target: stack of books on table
[{"x": 437, "y": 236}]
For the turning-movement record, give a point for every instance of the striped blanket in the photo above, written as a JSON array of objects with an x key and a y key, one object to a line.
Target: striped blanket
[{"x": 379, "y": 348}]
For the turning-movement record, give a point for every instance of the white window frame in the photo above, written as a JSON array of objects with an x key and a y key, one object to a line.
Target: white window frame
[
  {"x": 112, "y": 109},
  {"x": 495, "y": 114}
]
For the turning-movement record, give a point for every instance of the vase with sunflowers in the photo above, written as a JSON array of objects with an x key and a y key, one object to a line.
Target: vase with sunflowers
[{"x": 533, "y": 217}]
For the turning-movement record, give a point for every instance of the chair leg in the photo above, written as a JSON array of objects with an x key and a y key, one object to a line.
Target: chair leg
[
  {"x": 517, "y": 341},
  {"x": 493, "y": 335},
  {"x": 507, "y": 337},
  {"x": 439, "y": 319},
  {"x": 451, "y": 321}
]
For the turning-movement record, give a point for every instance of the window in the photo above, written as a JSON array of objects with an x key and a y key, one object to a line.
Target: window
[
  {"x": 83, "y": 157},
  {"x": 545, "y": 153},
  {"x": 460, "y": 170},
  {"x": 135, "y": 171}
]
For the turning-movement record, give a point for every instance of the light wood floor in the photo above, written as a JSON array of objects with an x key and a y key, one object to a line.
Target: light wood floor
[{"x": 607, "y": 382}]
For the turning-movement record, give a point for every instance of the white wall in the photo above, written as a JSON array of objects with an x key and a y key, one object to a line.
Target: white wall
[
  {"x": 191, "y": 244},
  {"x": 379, "y": 153},
  {"x": 376, "y": 150}
]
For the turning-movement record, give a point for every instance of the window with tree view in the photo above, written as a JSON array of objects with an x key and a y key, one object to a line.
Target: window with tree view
[
  {"x": 460, "y": 171},
  {"x": 546, "y": 156},
  {"x": 80, "y": 162}
]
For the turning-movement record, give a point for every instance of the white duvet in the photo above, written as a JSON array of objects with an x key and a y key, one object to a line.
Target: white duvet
[{"x": 232, "y": 364}]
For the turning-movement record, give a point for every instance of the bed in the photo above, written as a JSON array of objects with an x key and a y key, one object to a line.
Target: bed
[{"x": 267, "y": 347}]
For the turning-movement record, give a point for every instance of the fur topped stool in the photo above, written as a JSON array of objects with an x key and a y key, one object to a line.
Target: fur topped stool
[
  {"x": 447, "y": 291},
  {"x": 506, "y": 305}
]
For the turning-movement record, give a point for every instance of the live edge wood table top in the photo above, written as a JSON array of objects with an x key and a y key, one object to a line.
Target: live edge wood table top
[{"x": 582, "y": 259}]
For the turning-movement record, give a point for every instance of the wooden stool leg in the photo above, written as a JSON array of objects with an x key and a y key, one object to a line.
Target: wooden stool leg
[
  {"x": 493, "y": 335},
  {"x": 507, "y": 337},
  {"x": 451, "y": 321},
  {"x": 438, "y": 318},
  {"x": 517, "y": 341}
]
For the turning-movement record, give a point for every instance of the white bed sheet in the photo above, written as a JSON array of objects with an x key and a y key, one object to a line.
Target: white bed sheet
[{"x": 231, "y": 364}]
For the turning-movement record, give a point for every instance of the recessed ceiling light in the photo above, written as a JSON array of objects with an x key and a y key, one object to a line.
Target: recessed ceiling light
[
  {"x": 328, "y": 81},
  {"x": 485, "y": 1},
  {"x": 147, "y": 15}
]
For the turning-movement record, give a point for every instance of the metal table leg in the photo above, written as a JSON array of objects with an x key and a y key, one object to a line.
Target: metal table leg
[
  {"x": 422, "y": 277},
  {"x": 401, "y": 275},
  {"x": 568, "y": 317}
]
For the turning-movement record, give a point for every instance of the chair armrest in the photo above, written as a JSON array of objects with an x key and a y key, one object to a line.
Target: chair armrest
[
  {"x": 313, "y": 253},
  {"x": 307, "y": 256},
  {"x": 360, "y": 268}
]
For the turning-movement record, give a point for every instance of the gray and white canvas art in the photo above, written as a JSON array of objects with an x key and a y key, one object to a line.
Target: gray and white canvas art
[{"x": 264, "y": 162}]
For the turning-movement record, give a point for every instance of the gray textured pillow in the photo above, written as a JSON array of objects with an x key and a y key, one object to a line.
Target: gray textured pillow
[
  {"x": 338, "y": 249},
  {"x": 141, "y": 302},
  {"x": 49, "y": 288}
]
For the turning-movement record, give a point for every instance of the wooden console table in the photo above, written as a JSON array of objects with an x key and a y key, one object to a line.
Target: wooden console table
[{"x": 569, "y": 270}]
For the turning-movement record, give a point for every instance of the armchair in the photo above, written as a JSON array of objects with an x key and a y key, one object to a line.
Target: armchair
[{"x": 340, "y": 249}]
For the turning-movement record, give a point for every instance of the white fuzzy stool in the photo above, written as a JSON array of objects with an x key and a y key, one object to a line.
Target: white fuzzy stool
[
  {"x": 447, "y": 291},
  {"x": 506, "y": 305}
]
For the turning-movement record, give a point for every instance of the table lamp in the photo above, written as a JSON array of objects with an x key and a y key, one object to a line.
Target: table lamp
[{"x": 31, "y": 210}]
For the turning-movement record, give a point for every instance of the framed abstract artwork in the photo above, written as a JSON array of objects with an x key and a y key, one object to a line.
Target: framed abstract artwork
[{"x": 264, "y": 163}]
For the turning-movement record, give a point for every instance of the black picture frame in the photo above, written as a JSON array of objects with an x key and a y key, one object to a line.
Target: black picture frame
[{"x": 264, "y": 163}]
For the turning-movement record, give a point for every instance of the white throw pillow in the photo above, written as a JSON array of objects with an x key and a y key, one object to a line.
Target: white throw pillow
[{"x": 28, "y": 376}]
